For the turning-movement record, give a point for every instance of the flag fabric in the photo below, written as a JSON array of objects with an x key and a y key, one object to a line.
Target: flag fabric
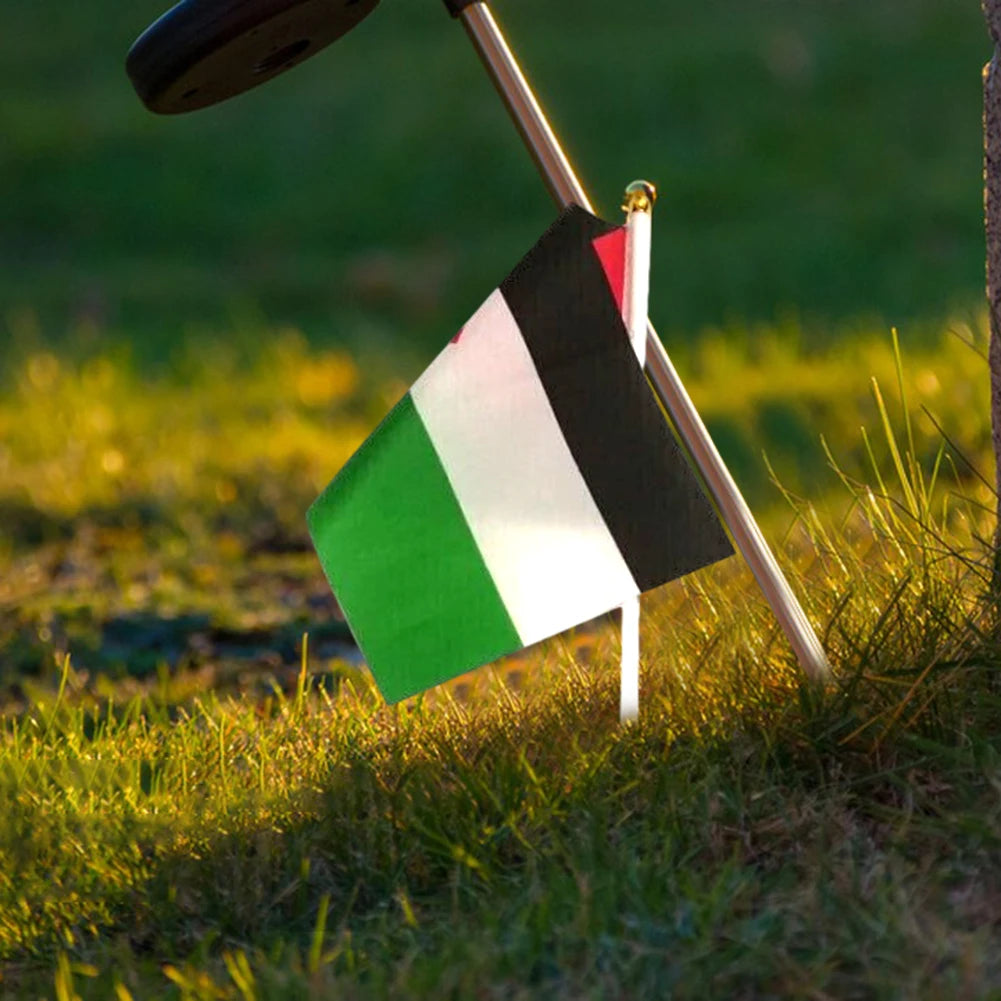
[{"x": 528, "y": 481}]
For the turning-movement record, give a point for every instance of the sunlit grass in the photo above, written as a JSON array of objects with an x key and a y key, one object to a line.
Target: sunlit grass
[{"x": 197, "y": 802}]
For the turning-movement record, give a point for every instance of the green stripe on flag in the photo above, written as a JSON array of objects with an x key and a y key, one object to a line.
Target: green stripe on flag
[{"x": 406, "y": 570}]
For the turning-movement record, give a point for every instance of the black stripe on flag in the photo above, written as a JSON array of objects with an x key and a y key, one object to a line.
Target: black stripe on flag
[{"x": 655, "y": 508}]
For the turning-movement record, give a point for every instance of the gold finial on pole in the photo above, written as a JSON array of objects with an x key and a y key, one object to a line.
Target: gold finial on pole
[{"x": 640, "y": 196}]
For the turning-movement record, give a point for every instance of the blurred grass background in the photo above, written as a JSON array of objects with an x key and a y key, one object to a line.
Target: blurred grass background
[{"x": 819, "y": 162}]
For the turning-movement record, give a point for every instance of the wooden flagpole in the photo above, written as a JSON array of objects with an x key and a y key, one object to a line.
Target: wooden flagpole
[{"x": 565, "y": 188}]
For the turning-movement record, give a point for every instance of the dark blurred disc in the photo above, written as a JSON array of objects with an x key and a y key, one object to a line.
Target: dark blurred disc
[{"x": 205, "y": 51}]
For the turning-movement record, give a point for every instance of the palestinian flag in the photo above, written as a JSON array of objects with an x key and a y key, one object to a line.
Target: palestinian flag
[{"x": 527, "y": 482}]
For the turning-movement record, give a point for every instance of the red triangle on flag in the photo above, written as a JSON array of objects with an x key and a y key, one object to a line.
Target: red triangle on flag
[{"x": 611, "y": 251}]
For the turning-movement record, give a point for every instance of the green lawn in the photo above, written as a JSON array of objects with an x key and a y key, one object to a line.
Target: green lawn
[
  {"x": 201, "y": 794},
  {"x": 197, "y": 803}
]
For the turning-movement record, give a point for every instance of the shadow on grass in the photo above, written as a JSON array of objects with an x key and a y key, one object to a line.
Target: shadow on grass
[
  {"x": 158, "y": 652},
  {"x": 144, "y": 588},
  {"x": 27, "y": 527},
  {"x": 544, "y": 829}
]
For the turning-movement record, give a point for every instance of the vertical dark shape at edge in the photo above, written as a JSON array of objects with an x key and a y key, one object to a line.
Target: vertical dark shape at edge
[{"x": 992, "y": 233}]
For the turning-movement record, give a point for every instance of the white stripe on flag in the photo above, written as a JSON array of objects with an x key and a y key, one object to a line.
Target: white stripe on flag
[{"x": 539, "y": 530}]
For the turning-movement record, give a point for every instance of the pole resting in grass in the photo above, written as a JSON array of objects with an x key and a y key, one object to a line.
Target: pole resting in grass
[
  {"x": 566, "y": 189},
  {"x": 638, "y": 206}
]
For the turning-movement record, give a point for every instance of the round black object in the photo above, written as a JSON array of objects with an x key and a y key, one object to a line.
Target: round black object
[{"x": 204, "y": 51}]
